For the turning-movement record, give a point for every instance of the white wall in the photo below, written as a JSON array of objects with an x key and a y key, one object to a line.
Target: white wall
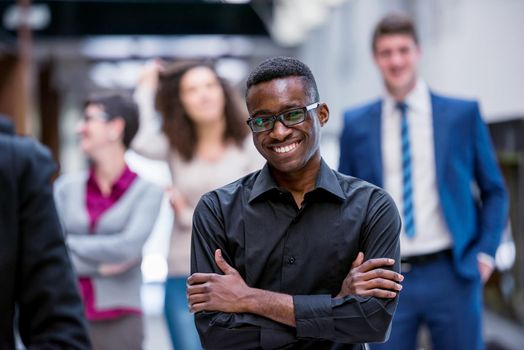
[
  {"x": 475, "y": 48},
  {"x": 471, "y": 49}
]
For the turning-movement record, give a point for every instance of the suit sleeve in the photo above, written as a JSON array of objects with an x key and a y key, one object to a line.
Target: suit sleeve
[
  {"x": 50, "y": 309},
  {"x": 493, "y": 214}
]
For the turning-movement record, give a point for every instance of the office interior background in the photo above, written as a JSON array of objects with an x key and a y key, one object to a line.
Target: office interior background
[{"x": 55, "y": 53}]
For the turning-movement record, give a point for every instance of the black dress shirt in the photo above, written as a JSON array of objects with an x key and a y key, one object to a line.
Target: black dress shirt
[{"x": 305, "y": 252}]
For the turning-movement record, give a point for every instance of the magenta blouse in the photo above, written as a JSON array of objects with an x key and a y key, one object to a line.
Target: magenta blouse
[{"x": 97, "y": 204}]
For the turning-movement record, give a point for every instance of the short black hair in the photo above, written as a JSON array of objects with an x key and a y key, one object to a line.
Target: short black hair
[
  {"x": 119, "y": 106},
  {"x": 282, "y": 67},
  {"x": 394, "y": 23}
]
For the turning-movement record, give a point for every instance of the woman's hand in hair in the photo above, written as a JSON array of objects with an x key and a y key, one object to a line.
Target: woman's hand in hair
[{"x": 150, "y": 72}]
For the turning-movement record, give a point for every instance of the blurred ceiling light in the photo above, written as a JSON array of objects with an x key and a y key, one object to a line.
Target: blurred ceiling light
[
  {"x": 236, "y": 1},
  {"x": 124, "y": 74},
  {"x": 116, "y": 75},
  {"x": 234, "y": 70},
  {"x": 294, "y": 19},
  {"x": 37, "y": 17},
  {"x": 120, "y": 47}
]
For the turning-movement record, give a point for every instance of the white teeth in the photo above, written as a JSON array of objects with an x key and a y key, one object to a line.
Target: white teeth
[{"x": 286, "y": 149}]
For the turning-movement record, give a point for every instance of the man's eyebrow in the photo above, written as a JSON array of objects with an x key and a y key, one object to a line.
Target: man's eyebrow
[{"x": 287, "y": 107}]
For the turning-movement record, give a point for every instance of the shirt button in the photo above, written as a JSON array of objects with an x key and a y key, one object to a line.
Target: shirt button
[{"x": 291, "y": 260}]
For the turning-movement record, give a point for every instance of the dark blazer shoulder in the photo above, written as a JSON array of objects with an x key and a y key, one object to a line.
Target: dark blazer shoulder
[
  {"x": 32, "y": 156},
  {"x": 25, "y": 149}
]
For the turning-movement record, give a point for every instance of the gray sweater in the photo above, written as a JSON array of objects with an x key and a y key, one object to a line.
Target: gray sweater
[{"x": 119, "y": 237}]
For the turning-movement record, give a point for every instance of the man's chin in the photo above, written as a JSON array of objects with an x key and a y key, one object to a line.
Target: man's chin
[{"x": 289, "y": 167}]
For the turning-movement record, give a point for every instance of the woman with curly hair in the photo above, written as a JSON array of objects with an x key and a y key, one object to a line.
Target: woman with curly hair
[{"x": 203, "y": 137}]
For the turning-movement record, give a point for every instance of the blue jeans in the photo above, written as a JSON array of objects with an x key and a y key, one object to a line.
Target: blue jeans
[
  {"x": 180, "y": 321},
  {"x": 450, "y": 306}
]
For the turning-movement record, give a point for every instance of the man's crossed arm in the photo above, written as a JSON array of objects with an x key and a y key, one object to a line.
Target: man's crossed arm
[{"x": 230, "y": 293}]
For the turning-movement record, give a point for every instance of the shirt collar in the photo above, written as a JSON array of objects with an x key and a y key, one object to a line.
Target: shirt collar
[
  {"x": 417, "y": 100},
  {"x": 123, "y": 182},
  {"x": 326, "y": 180}
]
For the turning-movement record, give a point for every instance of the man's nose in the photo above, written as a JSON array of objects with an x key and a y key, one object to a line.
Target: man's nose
[
  {"x": 80, "y": 126},
  {"x": 396, "y": 58},
  {"x": 280, "y": 131}
]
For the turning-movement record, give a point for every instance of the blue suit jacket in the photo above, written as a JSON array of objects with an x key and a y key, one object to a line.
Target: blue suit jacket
[{"x": 464, "y": 156}]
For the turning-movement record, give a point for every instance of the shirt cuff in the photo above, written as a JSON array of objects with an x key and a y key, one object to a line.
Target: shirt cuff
[
  {"x": 313, "y": 316},
  {"x": 486, "y": 259}
]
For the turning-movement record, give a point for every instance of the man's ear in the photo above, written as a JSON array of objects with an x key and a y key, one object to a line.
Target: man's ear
[
  {"x": 118, "y": 124},
  {"x": 323, "y": 113}
]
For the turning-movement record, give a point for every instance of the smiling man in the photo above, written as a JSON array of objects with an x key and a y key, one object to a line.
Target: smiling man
[
  {"x": 271, "y": 252},
  {"x": 433, "y": 154}
]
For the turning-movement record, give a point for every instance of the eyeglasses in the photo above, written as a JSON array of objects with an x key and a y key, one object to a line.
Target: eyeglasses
[
  {"x": 102, "y": 116},
  {"x": 288, "y": 118}
]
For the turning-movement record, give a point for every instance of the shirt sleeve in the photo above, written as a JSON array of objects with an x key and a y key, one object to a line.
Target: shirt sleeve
[
  {"x": 493, "y": 214},
  {"x": 49, "y": 306},
  {"x": 355, "y": 319}
]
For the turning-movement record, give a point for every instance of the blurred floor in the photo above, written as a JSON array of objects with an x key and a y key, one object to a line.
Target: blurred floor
[
  {"x": 157, "y": 337},
  {"x": 501, "y": 334}
]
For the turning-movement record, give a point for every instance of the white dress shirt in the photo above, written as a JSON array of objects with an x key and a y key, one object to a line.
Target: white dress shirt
[{"x": 431, "y": 232}]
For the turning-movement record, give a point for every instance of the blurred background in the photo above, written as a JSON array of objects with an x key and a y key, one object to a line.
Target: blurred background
[{"x": 54, "y": 53}]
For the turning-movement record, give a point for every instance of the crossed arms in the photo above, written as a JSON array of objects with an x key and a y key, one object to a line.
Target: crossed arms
[
  {"x": 230, "y": 293},
  {"x": 232, "y": 314}
]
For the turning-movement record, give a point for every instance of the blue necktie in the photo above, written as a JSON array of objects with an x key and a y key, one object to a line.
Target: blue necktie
[{"x": 407, "y": 184}]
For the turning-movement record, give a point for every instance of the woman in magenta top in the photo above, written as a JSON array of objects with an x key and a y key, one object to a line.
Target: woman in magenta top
[{"x": 107, "y": 214}]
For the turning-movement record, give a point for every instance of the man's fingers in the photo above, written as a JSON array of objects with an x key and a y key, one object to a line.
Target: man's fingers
[
  {"x": 222, "y": 264},
  {"x": 196, "y": 307},
  {"x": 358, "y": 260},
  {"x": 383, "y": 274},
  {"x": 197, "y": 298},
  {"x": 198, "y": 289},
  {"x": 198, "y": 278},
  {"x": 375, "y": 263},
  {"x": 382, "y": 283},
  {"x": 379, "y": 293}
]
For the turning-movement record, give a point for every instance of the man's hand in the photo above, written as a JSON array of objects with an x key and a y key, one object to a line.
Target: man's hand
[
  {"x": 368, "y": 279},
  {"x": 486, "y": 267},
  {"x": 214, "y": 292}
]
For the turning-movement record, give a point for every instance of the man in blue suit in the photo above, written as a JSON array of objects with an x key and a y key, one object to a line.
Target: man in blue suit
[{"x": 433, "y": 154}]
